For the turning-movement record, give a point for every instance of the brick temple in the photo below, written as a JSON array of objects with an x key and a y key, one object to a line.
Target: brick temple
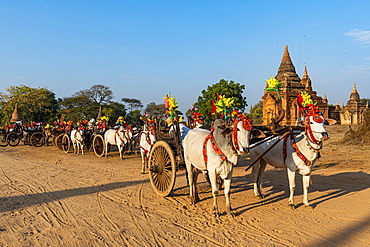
[{"x": 292, "y": 84}]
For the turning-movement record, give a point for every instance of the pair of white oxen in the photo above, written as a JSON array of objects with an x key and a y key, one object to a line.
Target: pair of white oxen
[
  {"x": 119, "y": 136},
  {"x": 212, "y": 152}
]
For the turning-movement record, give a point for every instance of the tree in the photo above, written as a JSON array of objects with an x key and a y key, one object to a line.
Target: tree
[
  {"x": 225, "y": 88},
  {"x": 78, "y": 107},
  {"x": 114, "y": 110},
  {"x": 365, "y": 100},
  {"x": 133, "y": 103},
  {"x": 97, "y": 93},
  {"x": 154, "y": 109},
  {"x": 34, "y": 104},
  {"x": 85, "y": 104},
  {"x": 133, "y": 118},
  {"x": 256, "y": 113}
]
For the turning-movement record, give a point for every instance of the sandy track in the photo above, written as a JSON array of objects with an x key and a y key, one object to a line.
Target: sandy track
[{"x": 48, "y": 198}]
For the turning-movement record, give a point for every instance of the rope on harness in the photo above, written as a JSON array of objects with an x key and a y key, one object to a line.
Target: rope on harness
[{"x": 219, "y": 152}]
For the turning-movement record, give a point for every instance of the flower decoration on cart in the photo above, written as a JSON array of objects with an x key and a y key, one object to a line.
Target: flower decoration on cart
[
  {"x": 196, "y": 116},
  {"x": 223, "y": 106},
  {"x": 121, "y": 121},
  {"x": 104, "y": 118},
  {"x": 273, "y": 85},
  {"x": 308, "y": 107},
  {"x": 171, "y": 106},
  {"x": 102, "y": 122},
  {"x": 149, "y": 122}
]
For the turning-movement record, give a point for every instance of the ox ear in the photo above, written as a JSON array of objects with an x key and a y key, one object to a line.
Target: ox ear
[
  {"x": 226, "y": 131},
  {"x": 300, "y": 122},
  {"x": 330, "y": 121},
  {"x": 256, "y": 133}
]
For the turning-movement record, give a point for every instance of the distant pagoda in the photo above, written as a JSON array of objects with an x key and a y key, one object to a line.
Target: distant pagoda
[
  {"x": 353, "y": 112},
  {"x": 16, "y": 116}
]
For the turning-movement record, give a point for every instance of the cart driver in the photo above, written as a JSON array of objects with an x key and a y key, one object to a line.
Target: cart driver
[{"x": 183, "y": 129}]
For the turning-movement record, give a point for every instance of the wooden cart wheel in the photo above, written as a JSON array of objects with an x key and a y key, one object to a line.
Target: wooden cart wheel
[
  {"x": 13, "y": 139},
  {"x": 98, "y": 145},
  {"x": 37, "y": 139},
  {"x": 162, "y": 168},
  {"x": 3, "y": 141},
  {"x": 66, "y": 143},
  {"x": 58, "y": 141}
]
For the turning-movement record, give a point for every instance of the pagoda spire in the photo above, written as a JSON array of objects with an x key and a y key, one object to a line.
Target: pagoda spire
[
  {"x": 306, "y": 80},
  {"x": 355, "y": 96},
  {"x": 325, "y": 99},
  {"x": 16, "y": 116},
  {"x": 286, "y": 72},
  {"x": 354, "y": 90},
  {"x": 337, "y": 105}
]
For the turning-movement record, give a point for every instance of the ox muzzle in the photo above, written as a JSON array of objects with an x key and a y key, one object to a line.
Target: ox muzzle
[{"x": 325, "y": 136}]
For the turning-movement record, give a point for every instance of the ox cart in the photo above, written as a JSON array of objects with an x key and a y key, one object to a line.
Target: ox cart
[
  {"x": 98, "y": 142},
  {"x": 64, "y": 140},
  {"x": 165, "y": 158},
  {"x": 33, "y": 137},
  {"x": 3, "y": 137}
]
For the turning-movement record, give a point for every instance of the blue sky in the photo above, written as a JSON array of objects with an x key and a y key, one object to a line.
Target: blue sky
[{"x": 146, "y": 49}]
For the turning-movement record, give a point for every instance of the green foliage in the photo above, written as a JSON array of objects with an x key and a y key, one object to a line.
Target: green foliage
[
  {"x": 98, "y": 94},
  {"x": 155, "y": 110},
  {"x": 256, "y": 113},
  {"x": 223, "y": 87},
  {"x": 133, "y": 118},
  {"x": 34, "y": 104},
  {"x": 85, "y": 104},
  {"x": 365, "y": 100},
  {"x": 78, "y": 107},
  {"x": 117, "y": 110},
  {"x": 133, "y": 103},
  {"x": 81, "y": 107}
]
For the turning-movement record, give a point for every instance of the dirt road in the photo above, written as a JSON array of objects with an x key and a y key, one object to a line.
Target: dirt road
[{"x": 48, "y": 198}]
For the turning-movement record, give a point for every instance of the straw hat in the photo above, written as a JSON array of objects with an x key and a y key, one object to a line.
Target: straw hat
[{"x": 169, "y": 121}]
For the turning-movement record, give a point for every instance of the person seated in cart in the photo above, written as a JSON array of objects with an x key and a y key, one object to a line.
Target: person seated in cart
[{"x": 183, "y": 129}]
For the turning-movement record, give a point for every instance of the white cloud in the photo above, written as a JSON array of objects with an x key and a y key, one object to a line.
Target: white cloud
[{"x": 359, "y": 35}]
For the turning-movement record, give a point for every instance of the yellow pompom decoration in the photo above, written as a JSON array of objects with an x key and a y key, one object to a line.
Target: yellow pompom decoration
[{"x": 273, "y": 85}]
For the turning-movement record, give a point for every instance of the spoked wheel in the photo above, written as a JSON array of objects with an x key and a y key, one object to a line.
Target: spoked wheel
[
  {"x": 66, "y": 143},
  {"x": 162, "y": 168},
  {"x": 58, "y": 141},
  {"x": 13, "y": 139},
  {"x": 98, "y": 145},
  {"x": 37, "y": 139},
  {"x": 3, "y": 141}
]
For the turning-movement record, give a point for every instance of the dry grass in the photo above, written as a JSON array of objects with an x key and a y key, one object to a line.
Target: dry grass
[{"x": 360, "y": 135}]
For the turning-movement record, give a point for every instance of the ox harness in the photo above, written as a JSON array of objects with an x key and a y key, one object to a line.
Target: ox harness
[
  {"x": 219, "y": 152},
  {"x": 296, "y": 150},
  {"x": 150, "y": 144},
  {"x": 233, "y": 141},
  {"x": 310, "y": 137},
  {"x": 81, "y": 134},
  {"x": 117, "y": 134}
]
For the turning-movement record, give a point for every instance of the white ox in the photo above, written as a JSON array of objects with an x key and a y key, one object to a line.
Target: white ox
[
  {"x": 147, "y": 140},
  {"x": 115, "y": 137},
  {"x": 77, "y": 140},
  {"x": 296, "y": 152},
  {"x": 211, "y": 161}
]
